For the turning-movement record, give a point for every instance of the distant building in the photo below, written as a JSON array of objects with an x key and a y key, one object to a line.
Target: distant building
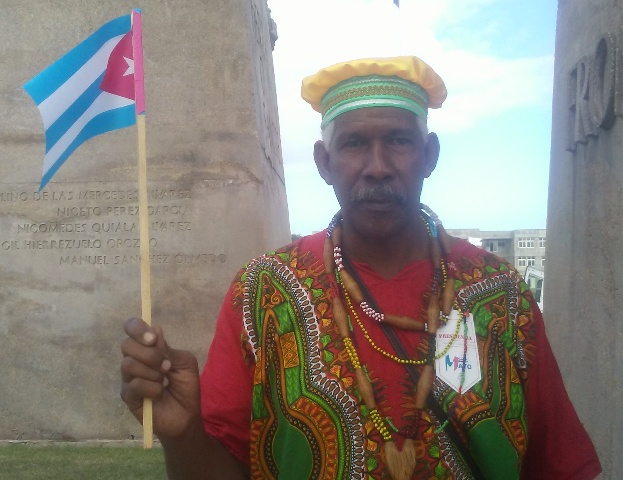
[{"x": 525, "y": 249}]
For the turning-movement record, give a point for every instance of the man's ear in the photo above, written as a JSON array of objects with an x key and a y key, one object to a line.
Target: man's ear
[
  {"x": 431, "y": 153},
  {"x": 321, "y": 157}
]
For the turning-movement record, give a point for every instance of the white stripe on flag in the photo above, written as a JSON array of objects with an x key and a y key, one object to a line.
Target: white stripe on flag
[
  {"x": 62, "y": 98},
  {"x": 105, "y": 102}
]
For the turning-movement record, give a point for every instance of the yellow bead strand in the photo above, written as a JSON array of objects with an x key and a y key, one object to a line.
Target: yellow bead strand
[
  {"x": 352, "y": 353},
  {"x": 380, "y": 425}
]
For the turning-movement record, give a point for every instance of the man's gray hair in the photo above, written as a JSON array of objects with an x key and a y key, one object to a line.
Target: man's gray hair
[{"x": 329, "y": 130}]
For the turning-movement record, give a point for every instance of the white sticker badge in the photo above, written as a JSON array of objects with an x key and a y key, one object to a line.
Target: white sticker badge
[{"x": 457, "y": 359}]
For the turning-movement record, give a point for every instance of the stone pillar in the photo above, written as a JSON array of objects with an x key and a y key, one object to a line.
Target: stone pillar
[
  {"x": 69, "y": 256},
  {"x": 585, "y": 219}
]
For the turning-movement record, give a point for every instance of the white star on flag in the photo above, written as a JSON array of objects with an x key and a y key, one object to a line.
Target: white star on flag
[{"x": 130, "y": 70}]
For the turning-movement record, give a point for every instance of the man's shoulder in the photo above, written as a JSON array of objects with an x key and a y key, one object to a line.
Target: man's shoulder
[
  {"x": 302, "y": 251},
  {"x": 307, "y": 243}
]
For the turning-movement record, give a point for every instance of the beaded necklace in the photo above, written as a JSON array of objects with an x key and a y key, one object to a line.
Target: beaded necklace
[{"x": 400, "y": 463}]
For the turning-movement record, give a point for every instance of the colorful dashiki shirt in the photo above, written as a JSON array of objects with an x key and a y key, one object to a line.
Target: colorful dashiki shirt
[{"x": 278, "y": 369}]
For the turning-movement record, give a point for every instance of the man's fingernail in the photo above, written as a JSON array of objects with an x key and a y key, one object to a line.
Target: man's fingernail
[
  {"x": 166, "y": 365},
  {"x": 149, "y": 337},
  {"x": 165, "y": 382}
]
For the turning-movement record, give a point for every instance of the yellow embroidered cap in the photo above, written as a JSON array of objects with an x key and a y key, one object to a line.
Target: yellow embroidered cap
[{"x": 404, "y": 82}]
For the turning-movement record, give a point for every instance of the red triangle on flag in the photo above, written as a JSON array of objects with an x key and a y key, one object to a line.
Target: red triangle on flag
[{"x": 119, "y": 76}]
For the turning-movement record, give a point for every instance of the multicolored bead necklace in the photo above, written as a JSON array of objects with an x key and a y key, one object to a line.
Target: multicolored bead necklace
[{"x": 400, "y": 463}]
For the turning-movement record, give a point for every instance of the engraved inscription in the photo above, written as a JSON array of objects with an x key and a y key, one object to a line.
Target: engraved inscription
[{"x": 100, "y": 227}]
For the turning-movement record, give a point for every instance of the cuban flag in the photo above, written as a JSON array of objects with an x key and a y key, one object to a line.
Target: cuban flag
[{"x": 93, "y": 89}]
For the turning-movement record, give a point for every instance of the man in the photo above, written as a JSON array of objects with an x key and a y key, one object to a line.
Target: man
[{"x": 323, "y": 357}]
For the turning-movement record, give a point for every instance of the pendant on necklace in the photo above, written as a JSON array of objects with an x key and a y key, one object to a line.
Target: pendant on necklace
[{"x": 400, "y": 463}]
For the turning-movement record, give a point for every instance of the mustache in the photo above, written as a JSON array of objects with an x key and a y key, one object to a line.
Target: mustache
[{"x": 378, "y": 193}]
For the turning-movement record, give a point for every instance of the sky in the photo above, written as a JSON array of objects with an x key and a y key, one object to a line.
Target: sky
[{"x": 496, "y": 58}]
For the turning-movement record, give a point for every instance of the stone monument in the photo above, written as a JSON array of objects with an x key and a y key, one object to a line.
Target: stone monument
[
  {"x": 69, "y": 256},
  {"x": 585, "y": 219}
]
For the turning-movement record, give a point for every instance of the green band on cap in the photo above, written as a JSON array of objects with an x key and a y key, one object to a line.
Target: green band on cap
[{"x": 373, "y": 91}]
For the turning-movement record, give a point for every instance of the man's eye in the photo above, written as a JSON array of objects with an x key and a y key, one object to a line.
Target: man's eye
[
  {"x": 400, "y": 141},
  {"x": 353, "y": 143}
]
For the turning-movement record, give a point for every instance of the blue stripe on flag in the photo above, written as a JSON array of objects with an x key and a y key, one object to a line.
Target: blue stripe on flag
[
  {"x": 69, "y": 116},
  {"x": 104, "y": 122},
  {"x": 49, "y": 80}
]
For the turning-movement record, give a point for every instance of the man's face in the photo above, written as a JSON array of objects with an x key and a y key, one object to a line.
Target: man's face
[{"x": 376, "y": 163}]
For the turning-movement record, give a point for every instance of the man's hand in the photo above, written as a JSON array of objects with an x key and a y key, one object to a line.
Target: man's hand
[{"x": 151, "y": 369}]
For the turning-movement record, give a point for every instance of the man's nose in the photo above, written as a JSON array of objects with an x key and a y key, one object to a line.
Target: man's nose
[{"x": 378, "y": 165}]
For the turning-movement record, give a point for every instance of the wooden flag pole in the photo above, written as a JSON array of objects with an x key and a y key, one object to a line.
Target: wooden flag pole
[{"x": 143, "y": 213}]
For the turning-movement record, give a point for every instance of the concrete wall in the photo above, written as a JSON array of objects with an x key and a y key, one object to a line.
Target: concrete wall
[
  {"x": 217, "y": 198},
  {"x": 585, "y": 219}
]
